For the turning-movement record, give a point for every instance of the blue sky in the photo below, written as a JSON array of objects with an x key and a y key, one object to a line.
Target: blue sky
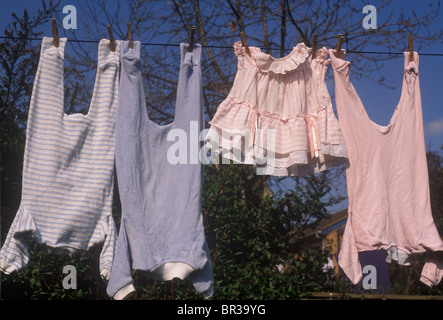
[{"x": 379, "y": 101}]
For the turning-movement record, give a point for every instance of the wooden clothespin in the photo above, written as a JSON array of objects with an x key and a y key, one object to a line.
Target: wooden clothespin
[
  {"x": 131, "y": 42},
  {"x": 411, "y": 47},
  {"x": 314, "y": 45},
  {"x": 191, "y": 39},
  {"x": 245, "y": 43},
  {"x": 339, "y": 44},
  {"x": 55, "y": 33},
  {"x": 111, "y": 38}
]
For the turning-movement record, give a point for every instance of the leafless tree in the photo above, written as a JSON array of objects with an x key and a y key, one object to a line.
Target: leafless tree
[{"x": 273, "y": 25}]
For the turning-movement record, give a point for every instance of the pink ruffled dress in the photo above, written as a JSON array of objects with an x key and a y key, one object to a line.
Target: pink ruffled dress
[{"x": 278, "y": 115}]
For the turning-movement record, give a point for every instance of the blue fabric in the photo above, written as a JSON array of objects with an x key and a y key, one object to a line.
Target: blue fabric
[{"x": 162, "y": 218}]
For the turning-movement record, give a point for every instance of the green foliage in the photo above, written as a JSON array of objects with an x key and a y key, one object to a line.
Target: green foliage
[
  {"x": 256, "y": 253},
  {"x": 42, "y": 277},
  {"x": 405, "y": 280}
]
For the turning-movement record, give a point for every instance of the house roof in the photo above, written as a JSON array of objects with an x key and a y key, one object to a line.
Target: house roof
[{"x": 335, "y": 220}]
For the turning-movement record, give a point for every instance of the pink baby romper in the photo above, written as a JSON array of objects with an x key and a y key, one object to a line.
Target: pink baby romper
[
  {"x": 278, "y": 115},
  {"x": 387, "y": 178}
]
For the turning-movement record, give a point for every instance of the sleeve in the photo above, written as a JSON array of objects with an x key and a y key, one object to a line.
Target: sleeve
[
  {"x": 15, "y": 252},
  {"x": 203, "y": 280},
  {"x": 432, "y": 271},
  {"x": 107, "y": 253},
  {"x": 348, "y": 259},
  {"x": 121, "y": 284}
]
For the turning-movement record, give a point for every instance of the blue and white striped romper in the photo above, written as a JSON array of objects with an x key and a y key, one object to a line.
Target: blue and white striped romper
[{"x": 68, "y": 169}]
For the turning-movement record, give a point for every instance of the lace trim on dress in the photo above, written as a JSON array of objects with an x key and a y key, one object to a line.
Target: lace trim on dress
[
  {"x": 240, "y": 50},
  {"x": 267, "y": 63},
  {"x": 235, "y": 145}
]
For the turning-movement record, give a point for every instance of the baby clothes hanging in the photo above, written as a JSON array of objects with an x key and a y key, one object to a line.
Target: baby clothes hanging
[
  {"x": 161, "y": 230},
  {"x": 387, "y": 178},
  {"x": 278, "y": 115},
  {"x": 68, "y": 169}
]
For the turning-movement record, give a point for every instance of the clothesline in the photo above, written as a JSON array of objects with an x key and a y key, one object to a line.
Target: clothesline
[{"x": 220, "y": 47}]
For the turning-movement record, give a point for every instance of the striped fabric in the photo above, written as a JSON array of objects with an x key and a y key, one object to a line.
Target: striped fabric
[
  {"x": 68, "y": 169},
  {"x": 280, "y": 108}
]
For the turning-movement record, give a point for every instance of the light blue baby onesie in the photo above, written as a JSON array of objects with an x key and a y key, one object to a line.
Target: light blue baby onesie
[
  {"x": 161, "y": 229},
  {"x": 68, "y": 167}
]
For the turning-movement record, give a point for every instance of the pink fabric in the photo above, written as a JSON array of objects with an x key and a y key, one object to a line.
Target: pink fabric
[
  {"x": 387, "y": 178},
  {"x": 287, "y": 96}
]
